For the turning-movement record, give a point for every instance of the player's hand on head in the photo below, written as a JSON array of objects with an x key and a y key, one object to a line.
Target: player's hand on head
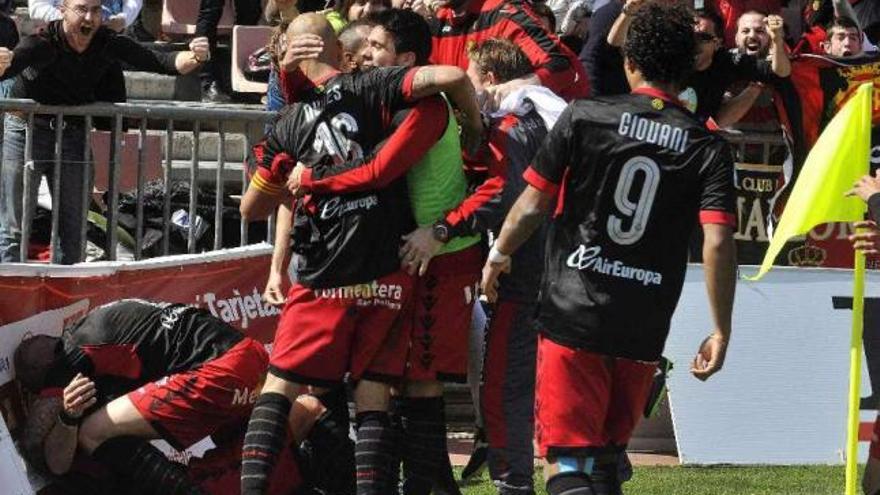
[
  {"x": 300, "y": 48},
  {"x": 866, "y": 237},
  {"x": 419, "y": 246},
  {"x": 274, "y": 291},
  {"x": 866, "y": 186},
  {"x": 710, "y": 357},
  {"x": 79, "y": 395},
  {"x": 498, "y": 92}
]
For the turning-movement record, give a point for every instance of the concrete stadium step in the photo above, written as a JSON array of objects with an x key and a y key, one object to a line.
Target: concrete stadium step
[
  {"x": 208, "y": 146},
  {"x": 207, "y": 173},
  {"x": 149, "y": 86}
]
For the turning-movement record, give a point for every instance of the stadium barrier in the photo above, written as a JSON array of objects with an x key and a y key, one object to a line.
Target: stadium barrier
[{"x": 187, "y": 116}]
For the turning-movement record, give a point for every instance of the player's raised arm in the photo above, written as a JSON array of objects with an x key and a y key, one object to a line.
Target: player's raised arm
[{"x": 454, "y": 82}]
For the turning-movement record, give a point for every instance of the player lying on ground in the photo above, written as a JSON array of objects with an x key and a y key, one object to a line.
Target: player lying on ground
[{"x": 134, "y": 370}]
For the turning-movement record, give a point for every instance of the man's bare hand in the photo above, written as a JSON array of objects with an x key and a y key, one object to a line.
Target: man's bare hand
[
  {"x": 6, "y": 56},
  {"x": 274, "y": 291},
  {"x": 294, "y": 186},
  {"x": 497, "y": 93},
  {"x": 300, "y": 48},
  {"x": 775, "y": 27},
  {"x": 491, "y": 272},
  {"x": 710, "y": 357},
  {"x": 79, "y": 395},
  {"x": 866, "y": 238},
  {"x": 418, "y": 248},
  {"x": 200, "y": 48},
  {"x": 116, "y": 23},
  {"x": 866, "y": 186}
]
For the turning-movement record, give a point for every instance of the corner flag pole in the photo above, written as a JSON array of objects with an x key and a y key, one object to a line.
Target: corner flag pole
[{"x": 855, "y": 372}]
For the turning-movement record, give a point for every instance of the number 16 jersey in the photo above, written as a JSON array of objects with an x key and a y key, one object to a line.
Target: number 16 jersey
[{"x": 633, "y": 174}]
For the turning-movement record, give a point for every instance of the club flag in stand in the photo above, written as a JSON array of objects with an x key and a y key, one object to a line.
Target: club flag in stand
[{"x": 838, "y": 158}]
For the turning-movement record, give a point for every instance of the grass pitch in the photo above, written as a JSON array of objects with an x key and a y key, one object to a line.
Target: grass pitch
[{"x": 677, "y": 480}]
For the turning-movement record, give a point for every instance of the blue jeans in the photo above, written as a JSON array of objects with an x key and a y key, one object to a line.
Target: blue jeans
[
  {"x": 274, "y": 97},
  {"x": 68, "y": 247}
]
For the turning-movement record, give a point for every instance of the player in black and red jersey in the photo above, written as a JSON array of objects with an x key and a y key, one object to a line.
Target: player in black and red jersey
[
  {"x": 507, "y": 394},
  {"x": 459, "y": 24},
  {"x": 630, "y": 175},
  {"x": 342, "y": 314},
  {"x": 138, "y": 370}
]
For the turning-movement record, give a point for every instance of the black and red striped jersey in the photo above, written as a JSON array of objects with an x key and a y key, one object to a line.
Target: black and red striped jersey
[
  {"x": 557, "y": 66},
  {"x": 512, "y": 143},
  {"x": 634, "y": 174},
  {"x": 351, "y": 238},
  {"x": 128, "y": 343}
]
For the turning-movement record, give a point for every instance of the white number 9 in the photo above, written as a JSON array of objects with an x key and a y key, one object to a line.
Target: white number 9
[{"x": 636, "y": 213}]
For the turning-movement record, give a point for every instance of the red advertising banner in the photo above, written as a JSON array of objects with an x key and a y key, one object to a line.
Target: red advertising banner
[
  {"x": 227, "y": 283},
  {"x": 45, "y": 298}
]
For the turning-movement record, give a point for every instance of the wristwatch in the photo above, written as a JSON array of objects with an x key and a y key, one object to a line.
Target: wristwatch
[
  {"x": 440, "y": 231},
  {"x": 67, "y": 419}
]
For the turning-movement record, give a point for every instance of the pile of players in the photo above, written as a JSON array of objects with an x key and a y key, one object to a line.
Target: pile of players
[{"x": 396, "y": 180}]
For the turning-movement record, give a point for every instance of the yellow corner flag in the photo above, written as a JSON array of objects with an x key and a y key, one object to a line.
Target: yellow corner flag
[{"x": 839, "y": 158}]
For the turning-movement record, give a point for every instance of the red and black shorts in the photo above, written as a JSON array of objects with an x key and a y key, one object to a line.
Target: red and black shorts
[
  {"x": 440, "y": 321},
  {"x": 325, "y": 333},
  {"x": 186, "y": 407},
  {"x": 587, "y": 403}
]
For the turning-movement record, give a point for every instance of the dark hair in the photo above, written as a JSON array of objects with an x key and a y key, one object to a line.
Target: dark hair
[
  {"x": 501, "y": 57},
  {"x": 661, "y": 42},
  {"x": 541, "y": 9},
  {"x": 843, "y": 23},
  {"x": 343, "y": 6},
  {"x": 410, "y": 31},
  {"x": 715, "y": 19},
  {"x": 28, "y": 371},
  {"x": 752, "y": 12},
  {"x": 349, "y": 35}
]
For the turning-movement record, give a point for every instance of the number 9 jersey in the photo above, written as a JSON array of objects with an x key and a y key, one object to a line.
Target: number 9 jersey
[{"x": 632, "y": 175}]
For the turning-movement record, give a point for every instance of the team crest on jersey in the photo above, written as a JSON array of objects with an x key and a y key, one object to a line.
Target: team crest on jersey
[{"x": 657, "y": 104}]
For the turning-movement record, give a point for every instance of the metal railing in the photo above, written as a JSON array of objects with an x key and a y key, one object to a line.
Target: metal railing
[
  {"x": 194, "y": 114},
  {"x": 170, "y": 116}
]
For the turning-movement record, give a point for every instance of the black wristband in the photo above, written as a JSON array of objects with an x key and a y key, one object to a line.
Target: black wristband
[{"x": 67, "y": 420}]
